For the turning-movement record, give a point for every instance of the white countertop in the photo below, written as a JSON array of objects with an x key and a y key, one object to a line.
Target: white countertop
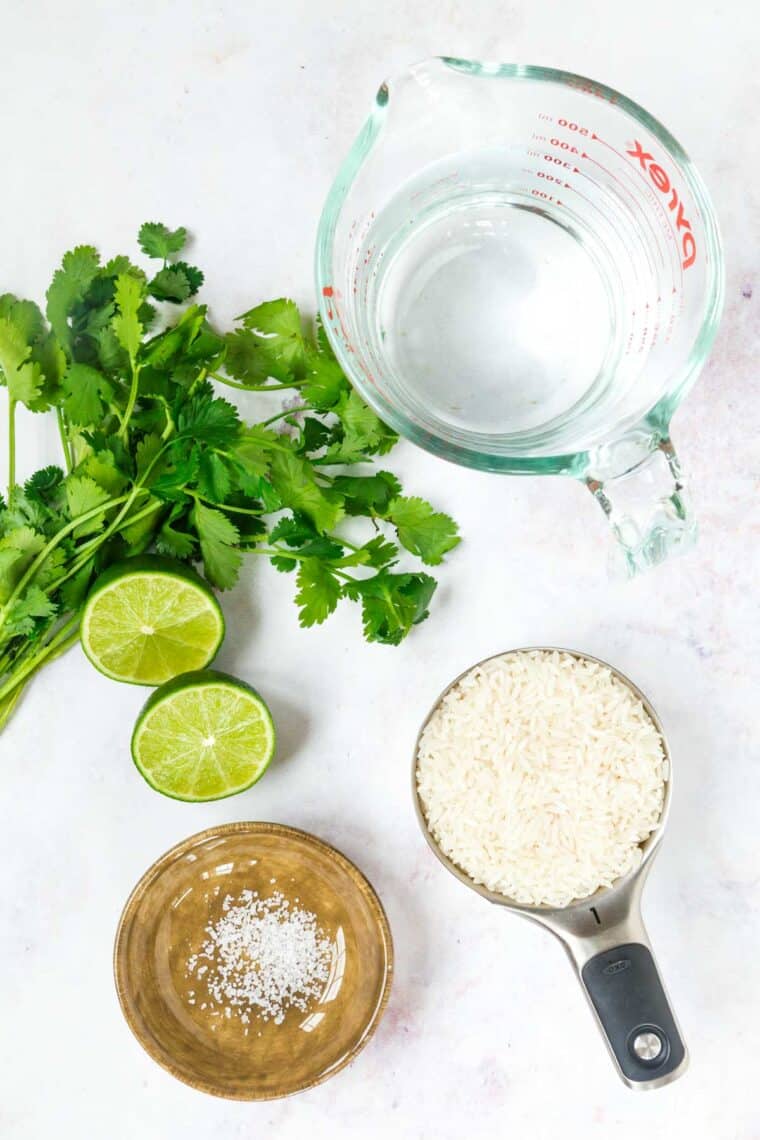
[{"x": 231, "y": 118}]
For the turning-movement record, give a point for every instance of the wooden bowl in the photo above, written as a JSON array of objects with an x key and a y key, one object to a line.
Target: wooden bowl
[{"x": 164, "y": 923}]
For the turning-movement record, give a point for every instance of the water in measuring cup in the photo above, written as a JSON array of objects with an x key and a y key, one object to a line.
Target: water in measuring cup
[{"x": 494, "y": 309}]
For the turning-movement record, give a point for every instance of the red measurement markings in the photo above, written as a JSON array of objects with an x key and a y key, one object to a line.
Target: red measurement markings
[
  {"x": 580, "y": 194},
  {"x": 557, "y": 161},
  {"x": 588, "y": 87},
  {"x": 571, "y": 126},
  {"x": 327, "y": 293},
  {"x": 551, "y": 178},
  {"x": 564, "y": 146},
  {"x": 433, "y": 186},
  {"x": 611, "y": 173}
]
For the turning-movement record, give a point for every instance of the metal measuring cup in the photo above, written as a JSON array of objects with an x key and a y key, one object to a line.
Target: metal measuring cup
[{"x": 605, "y": 938}]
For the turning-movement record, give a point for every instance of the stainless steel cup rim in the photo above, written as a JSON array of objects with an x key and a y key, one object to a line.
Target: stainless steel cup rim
[{"x": 626, "y": 885}]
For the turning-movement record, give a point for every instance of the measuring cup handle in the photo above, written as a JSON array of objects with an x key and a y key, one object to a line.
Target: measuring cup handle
[
  {"x": 624, "y": 987},
  {"x": 637, "y": 482}
]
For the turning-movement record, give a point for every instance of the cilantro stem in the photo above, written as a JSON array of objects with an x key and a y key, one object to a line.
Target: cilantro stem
[
  {"x": 66, "y": 636},
  {"x": 225, "y": 506},
  {"x": 255, "y": 387},
  {"x": 198, "y": 380},
  {"x": 63, "y": 433},
  {"x": 285, "y": 552},
  {"x": 124, "y": 501},
  {"x": 132, "y": 400},
  {"x": 8, "y": 704},
  {"x": 284, "y": 412},
  {"x": 11, "y": 446},
  {"x": 57, "y": 538},
  {"x": 84, "y": 553}
]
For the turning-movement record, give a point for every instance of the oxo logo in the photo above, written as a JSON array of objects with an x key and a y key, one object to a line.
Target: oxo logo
[{"x": 662, "y": 182}]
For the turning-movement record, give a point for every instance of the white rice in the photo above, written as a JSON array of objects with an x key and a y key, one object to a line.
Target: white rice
[{"x": 540, "y": 774}]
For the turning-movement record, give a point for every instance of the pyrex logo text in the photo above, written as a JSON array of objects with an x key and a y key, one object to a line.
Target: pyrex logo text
[{"x": 662, "y": 182}]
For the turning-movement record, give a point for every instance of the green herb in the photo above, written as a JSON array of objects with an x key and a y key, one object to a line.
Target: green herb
[{"x": 154, "y": 459}]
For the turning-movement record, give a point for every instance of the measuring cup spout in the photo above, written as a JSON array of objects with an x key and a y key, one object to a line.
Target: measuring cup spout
[{"x": 637, "y": 482}]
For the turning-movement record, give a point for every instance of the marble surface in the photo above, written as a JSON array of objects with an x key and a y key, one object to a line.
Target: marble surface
[{"x": 231, "y": 119}]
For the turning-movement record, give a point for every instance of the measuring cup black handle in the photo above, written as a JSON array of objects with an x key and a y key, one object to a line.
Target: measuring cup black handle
[{"x": 624, "y": 986}]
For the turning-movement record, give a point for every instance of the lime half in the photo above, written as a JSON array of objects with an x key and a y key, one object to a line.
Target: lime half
[
  {"x": 148, "y": 619},
  {"x": 203, "y": 736}
]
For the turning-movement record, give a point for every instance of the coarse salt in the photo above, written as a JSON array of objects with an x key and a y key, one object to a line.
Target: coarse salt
[{"x": 262, "y": 957}]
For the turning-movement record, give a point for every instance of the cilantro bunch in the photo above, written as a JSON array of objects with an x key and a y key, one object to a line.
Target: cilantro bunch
[{"x": 154, "y": 459}]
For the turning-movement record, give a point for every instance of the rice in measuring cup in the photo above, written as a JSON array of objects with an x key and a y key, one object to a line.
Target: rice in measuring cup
[{"x": 540, "y": 775}]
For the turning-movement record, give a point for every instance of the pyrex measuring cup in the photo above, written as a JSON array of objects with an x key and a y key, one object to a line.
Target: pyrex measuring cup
[
  {"x": 607, "y": 943},
  {"x": 521, "y": 271}
]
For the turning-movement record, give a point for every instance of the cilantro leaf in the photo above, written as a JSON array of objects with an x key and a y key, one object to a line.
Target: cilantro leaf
[
  {"x": 276, "y": 327},
  {"x": 294, "y": 481},
  {"x": 166, "y": 350},
  {"x": 213, "y": 477},
  {"x": 157, "y": 240},
  {"x": 110, "y": 355},
  {"x": 18, "y": 329},
  {"x": 175, "y": 543},
  {"x": 170, "y": 284},
  {"x": 101, "y": 467},
  {"x": 18, "y": 549},
  {"x": 423, "y": 531},
  {"x": 182, "y": 472},
  {"x": 26, "y": 510},
  {"x": 299, "y": 532},
  {"x": 364, "y": 433},
  {"x": 251, "y": 361},
  {"x": 47, "y": 353},
  {"x": 44, "y": 484},
  {"x": 318, "y": 592},
  {"x": 378, "y": 553},
  {"x": 208, "y": 419},
  {"x": 146, "y": 452},
  {"x": 69, "y": 288},
  {"x": 84, "y": 389},
  {"x": 192, "y": 274},
  {"x": 392, "y": 604},
  {"x": 295, "y": 530},
  {"x": 325, "y": 383},
  {"x": 367, "y": 494},
  {"x": 139, "y": 533},
  {"x": 28, "y": 611},
  {"x": 126, "y": 324},
  {"x": 82, "y": 495},
  {"x": 218, "y": 539},
  {"x": 26, "y": 317},
  {"x": 314, "y": 435}
]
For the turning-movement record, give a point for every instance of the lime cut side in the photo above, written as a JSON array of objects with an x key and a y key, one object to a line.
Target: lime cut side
[
  {"x": 145, "y": 624},
  {"x": 203, "y": 736}
]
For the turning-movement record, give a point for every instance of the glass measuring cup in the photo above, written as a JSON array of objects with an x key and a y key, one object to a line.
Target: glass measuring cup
[
  {"x": 604, "y": 937},
  {"x": 521, "y": 271}
]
